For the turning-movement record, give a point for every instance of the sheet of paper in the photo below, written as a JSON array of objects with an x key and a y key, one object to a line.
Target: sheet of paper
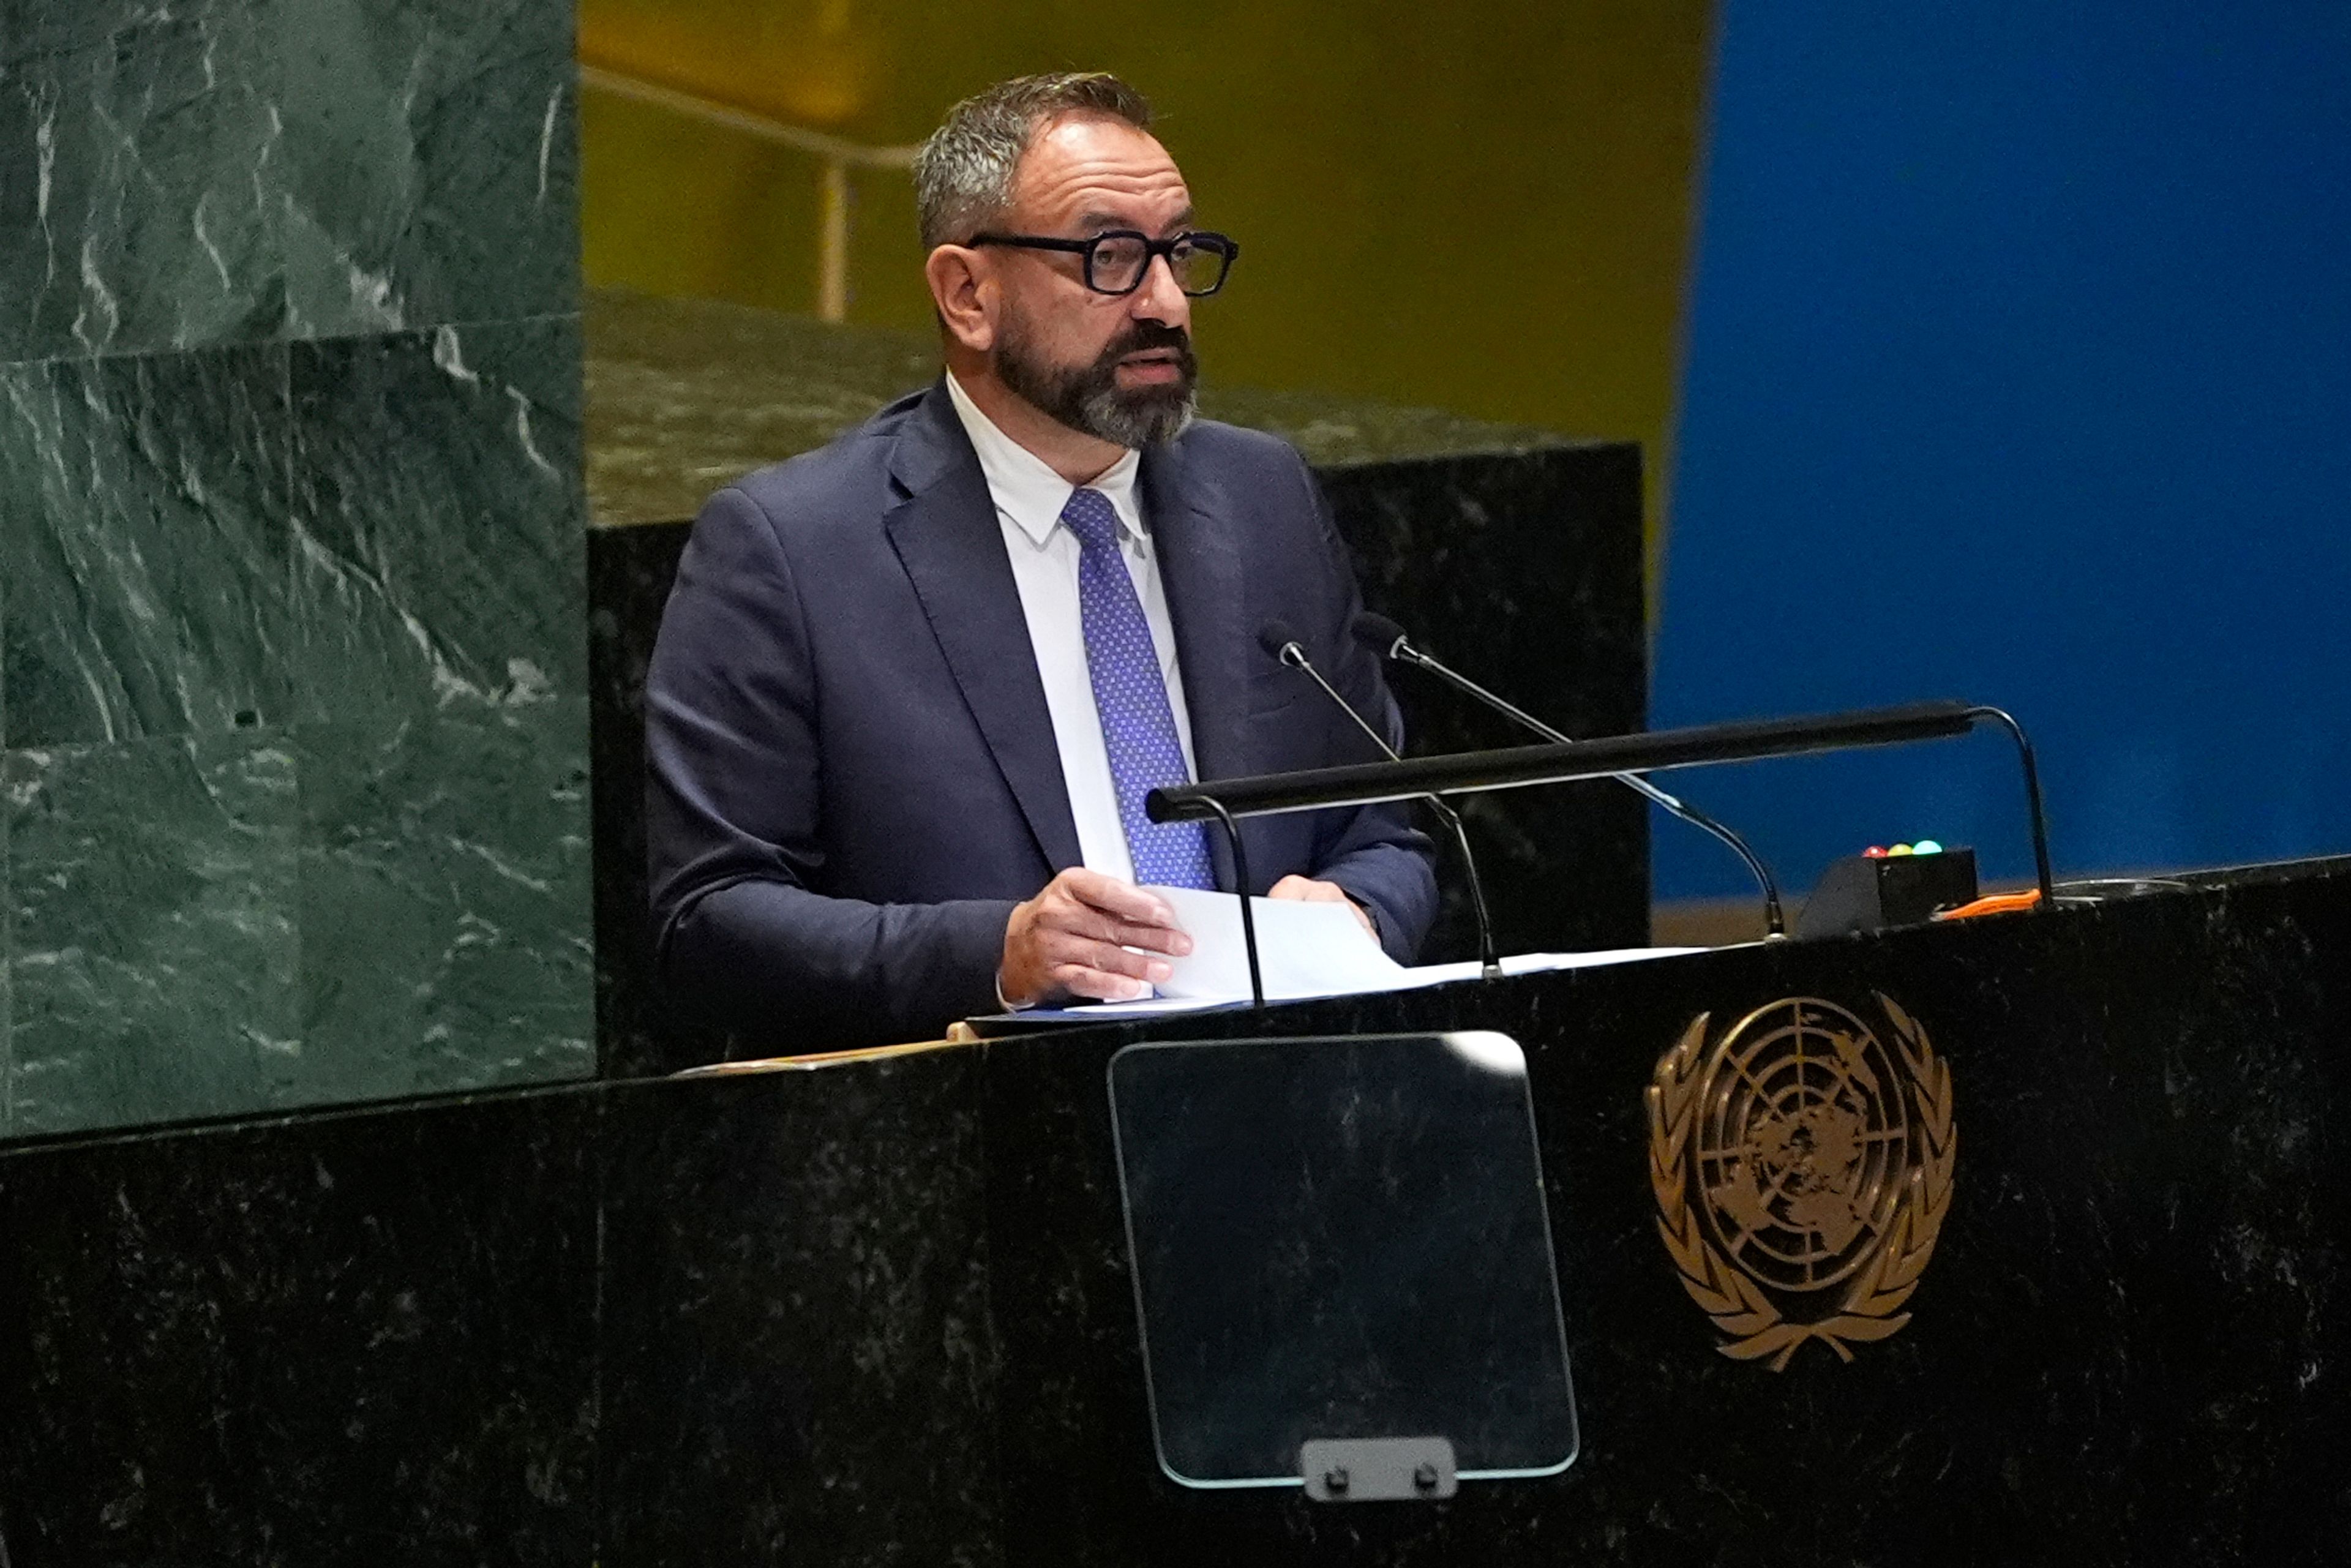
[
  {"x": 1304, "y": 949},
  {"x": 1398, "y": 979},
  {"x": 1538, "y": 963}
]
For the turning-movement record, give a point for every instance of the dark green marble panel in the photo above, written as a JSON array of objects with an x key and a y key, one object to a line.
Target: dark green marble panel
[
  {"x": 139, "y": 150},
  {"x": 152, "y": 927},
  {"x": 144, "y": 546},
  {"x": 444, "y": 901},
  {"x": 292, "y": 635},
  {"x": 431, "y": 162},
  {"x": 221, "y": 171},
  {"x": 440, "y": 548},
  {"x": 7, "y": 978}
]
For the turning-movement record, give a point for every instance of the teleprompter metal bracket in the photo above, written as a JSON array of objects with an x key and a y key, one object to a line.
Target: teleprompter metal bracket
[{"x": 1377, "y": 1469}]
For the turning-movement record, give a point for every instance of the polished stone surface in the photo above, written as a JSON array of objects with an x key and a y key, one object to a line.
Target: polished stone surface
[
  {"x": 639, "y": 1031},
  {"x": 817, "y": 1389},
  {"x": 293, "y": 694},
  {"x": 172, "y": 176},
  {"x": 686, "y": 395},
  {"x": 140, "y": 191},
  {"x": 1523, "y": 570},
  {"x": 144, "y": 554},
  {"x": 152, "y": 928},
  {"x": 452, "y": 576},
  {"x": 443, "y": 903},
  {"x": 880, "y": 1313},
  {"x": 337, "y": 1339},
  {"x": 431, "y": 162}
]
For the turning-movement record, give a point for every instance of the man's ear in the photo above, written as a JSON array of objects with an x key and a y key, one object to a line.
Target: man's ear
[{"x": 965, "y": 295}]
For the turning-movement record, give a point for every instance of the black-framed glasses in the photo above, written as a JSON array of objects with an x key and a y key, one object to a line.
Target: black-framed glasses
[{"x": 1117, "y": 260}]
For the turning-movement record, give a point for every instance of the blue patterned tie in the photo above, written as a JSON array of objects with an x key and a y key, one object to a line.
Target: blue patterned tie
[{"x": 1138, "y": 727}]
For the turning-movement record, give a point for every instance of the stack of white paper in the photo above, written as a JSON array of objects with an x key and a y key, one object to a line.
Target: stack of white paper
[
  {"x": 1308, "y": 950},
  {"x": 1304, "y": 949}
]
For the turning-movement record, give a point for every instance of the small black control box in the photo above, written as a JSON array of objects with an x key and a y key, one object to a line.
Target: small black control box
[{"x": 1870, "y": 893}]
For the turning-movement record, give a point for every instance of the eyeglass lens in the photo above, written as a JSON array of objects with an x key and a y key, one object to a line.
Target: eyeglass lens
[{"x": 1118, "y": 261}]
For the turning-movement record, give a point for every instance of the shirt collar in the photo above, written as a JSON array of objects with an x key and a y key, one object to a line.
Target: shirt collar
[{"x": 1024, "y": 486}]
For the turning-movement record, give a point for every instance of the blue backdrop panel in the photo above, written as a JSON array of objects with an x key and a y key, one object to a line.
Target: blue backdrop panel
[{"x": 2019, "y": 370}]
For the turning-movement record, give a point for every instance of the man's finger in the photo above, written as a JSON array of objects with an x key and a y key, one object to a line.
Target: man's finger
[
  {"x": 1080, "y": 981},
  {"x": 1066, "y": 912},
  {"x": 1113, "y": 896},
  {"x": 1112, "y": 959},
  {"x": 1100, "y": 927},
  {"x": 1152, "y": 939}
]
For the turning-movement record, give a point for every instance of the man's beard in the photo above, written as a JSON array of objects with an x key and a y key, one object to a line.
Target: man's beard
[{"x": 1087, "y": 398}]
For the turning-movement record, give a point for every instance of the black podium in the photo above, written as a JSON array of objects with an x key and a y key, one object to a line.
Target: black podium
[{"x": 2015, "y": 1239}]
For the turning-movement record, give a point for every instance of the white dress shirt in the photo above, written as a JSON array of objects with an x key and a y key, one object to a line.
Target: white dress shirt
[{"x": 1028, "y": 499}]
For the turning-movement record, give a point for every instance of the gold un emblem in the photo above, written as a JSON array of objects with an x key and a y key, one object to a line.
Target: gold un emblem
[{"x": 1802, "y": 1170}]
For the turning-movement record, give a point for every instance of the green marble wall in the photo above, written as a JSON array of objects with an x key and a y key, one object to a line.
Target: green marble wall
[{"x": 293, "y": 713}]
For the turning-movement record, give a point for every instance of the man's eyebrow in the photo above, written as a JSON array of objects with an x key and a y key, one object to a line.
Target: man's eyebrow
[{"x": 1095, "y": 223}]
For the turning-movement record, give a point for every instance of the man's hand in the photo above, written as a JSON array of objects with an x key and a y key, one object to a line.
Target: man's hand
[
  {"x": 1073, "y": 937},
  {"x": 1311, "y": 892}
]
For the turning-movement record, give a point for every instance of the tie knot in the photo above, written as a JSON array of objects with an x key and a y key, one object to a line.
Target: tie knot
[{"x": 1093, "y": 518}]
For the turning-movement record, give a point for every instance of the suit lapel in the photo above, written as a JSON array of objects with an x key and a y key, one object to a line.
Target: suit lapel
[
  {"x": 946, "y": 533},
  {"x": 1191, "y": 536}
]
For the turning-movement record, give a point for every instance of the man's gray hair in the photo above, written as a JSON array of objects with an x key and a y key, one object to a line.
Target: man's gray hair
[{"x": 963, "y": 173}]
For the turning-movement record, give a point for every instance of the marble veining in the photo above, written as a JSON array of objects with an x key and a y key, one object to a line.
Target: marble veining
[
  {"x": 456, "y": 575},
  {"x": 151, "y": 942},
  {"x": 444, "y": 902},
  {"x": 431, "y": 162},
  {"x": 7, "y": 980},
  {"x": 183, "y": 174},
  {"x": 136, "y": 139},
  {"x": 143, "y": 559},
  {"x": 293, "y": 701}
]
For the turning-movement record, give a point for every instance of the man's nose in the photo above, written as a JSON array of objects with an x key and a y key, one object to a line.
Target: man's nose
[{"x": 1158, "y": 297}]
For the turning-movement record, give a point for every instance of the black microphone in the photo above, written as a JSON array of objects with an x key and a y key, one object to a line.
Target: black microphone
[
  {"x": 1390, "y": 641},
  {"x": 1278, "y": 640}
]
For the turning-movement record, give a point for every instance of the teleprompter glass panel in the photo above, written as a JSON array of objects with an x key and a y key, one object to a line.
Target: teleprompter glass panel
[{"x": 1340, "y": 1238}]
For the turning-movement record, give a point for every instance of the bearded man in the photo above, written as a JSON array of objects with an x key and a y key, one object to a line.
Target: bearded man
[{"x": 911, "y": 689}]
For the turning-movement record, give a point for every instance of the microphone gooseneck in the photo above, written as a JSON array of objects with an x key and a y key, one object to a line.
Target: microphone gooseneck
[
  {"x": 2031, "y": 801},
  {"x": 1282, "y": 644},
  {"x": 1390, "y": 641}
]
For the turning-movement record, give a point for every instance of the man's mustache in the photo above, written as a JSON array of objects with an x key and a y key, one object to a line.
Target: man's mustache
[{"x": 1145, "y": 336}]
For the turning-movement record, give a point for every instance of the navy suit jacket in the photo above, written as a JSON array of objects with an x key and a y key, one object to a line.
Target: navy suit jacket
[{"x": 851, "y": 772}]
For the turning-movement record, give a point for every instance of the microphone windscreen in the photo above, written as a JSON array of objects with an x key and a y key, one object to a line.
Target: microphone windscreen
[
  {"x": 1378, "y": 634},
  {"x": 1274, "y": 637}
]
